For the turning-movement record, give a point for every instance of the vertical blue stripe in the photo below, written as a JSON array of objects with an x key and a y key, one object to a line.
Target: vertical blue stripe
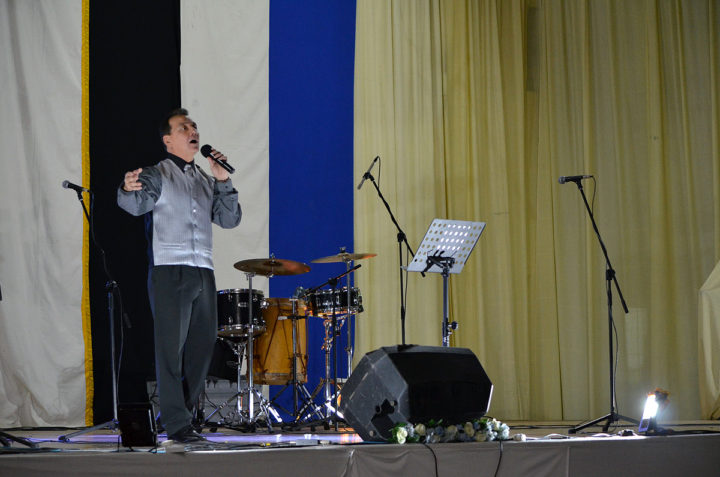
[{"x": 312, "y": 56}]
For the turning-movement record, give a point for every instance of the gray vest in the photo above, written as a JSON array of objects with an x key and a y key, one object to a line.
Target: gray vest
[{"x": 182, "y": 217}]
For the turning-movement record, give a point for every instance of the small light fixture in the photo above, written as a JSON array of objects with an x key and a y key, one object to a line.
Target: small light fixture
[{"x": 656, "y": 401}]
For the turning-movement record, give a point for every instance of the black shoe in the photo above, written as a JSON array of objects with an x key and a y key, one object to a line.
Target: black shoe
[{"x": 186, "y": 435}]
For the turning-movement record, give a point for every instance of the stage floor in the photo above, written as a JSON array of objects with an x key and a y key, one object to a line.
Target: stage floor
[{"x": 548, "y": 450}]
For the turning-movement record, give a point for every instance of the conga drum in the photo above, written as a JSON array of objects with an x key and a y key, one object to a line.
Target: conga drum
[{"x": 273, "y": 350}]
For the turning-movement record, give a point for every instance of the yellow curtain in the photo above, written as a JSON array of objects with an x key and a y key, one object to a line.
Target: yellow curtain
[{"x": 475, "y": 108}]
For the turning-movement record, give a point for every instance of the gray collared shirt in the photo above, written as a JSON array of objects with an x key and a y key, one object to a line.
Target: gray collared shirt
[{"x": 185, "y": 204}]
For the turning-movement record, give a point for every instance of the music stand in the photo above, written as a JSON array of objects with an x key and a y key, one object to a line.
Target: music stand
[{"x": 445, "y": 249}]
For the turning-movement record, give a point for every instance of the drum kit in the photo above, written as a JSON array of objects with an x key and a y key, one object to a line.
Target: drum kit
[{"x": 271, "y": 335}]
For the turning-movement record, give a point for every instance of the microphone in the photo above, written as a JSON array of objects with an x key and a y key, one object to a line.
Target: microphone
[
  {"x": 75, "y": 187},
  {"x": 367, "y": 174},
  {"x": 205, "y": 151},
  {"x": 564, "y": 179}
]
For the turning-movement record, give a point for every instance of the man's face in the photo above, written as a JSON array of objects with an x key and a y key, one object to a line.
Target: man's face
[{"x": 184, "y": 139}]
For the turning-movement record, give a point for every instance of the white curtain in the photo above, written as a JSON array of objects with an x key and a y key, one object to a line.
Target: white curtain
[
  {"x": 224, "y": 78},
  {"x": 42, "y": 369}
]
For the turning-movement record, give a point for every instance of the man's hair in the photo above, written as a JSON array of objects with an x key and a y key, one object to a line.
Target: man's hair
[{"x": 165, "y": 123}]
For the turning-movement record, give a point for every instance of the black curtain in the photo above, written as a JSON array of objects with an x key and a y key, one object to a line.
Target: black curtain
[{"x": 134, "y": 81}]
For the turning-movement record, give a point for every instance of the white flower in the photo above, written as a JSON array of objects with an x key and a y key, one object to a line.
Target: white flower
[
  {"x": 450, "y": 433},
  {"x": 433, "y": 439},
  {"x": 399, "y": 434},
  {"x": 479, "y": 430}
]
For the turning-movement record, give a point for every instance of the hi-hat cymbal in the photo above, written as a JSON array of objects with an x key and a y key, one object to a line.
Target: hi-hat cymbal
[
  {"x": 272, "y": 266},
  {"x": 344, "y": 257}
]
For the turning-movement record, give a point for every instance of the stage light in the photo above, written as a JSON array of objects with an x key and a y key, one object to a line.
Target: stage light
[
  {"x": 648, "y": 420},
  {"x": 656, "y": 401}
]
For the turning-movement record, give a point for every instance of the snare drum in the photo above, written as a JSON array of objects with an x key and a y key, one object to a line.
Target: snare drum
[
  {"x": 273, "y": 351},
  {"x": 234, "y": 316},
  {"x": 321, "y": 302}
]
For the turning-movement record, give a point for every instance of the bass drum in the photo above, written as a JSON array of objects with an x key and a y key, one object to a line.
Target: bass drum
[
  {"x": 234, "y": 313},
  {"x": 273, "y": 351}
]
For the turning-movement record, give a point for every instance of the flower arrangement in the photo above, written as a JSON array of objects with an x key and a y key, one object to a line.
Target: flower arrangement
[{"x": 477, "y": 430}]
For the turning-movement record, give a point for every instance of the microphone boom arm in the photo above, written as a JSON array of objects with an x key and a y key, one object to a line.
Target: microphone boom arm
[{"x": 610, "y": 270}]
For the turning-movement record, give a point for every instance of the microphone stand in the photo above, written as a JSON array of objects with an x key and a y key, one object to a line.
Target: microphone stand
[
  {"x": 401, "y": 238},
  {"x": 610, "y": 278},
  {"x": 6, "y": 440},
  {"x": 111, "y": 286}
]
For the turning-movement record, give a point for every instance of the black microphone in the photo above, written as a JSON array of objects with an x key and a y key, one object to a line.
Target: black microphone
[
  {"x": 75, "y": 187},
  {"x": 205, "y": 151},
  {"x": 564, "y": 179},
  {"x": 367, "y": 174}
]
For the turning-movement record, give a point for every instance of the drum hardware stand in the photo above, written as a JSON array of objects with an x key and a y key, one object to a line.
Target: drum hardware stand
[
  {"x": 326, "y": 383},
  {"x": 238, "y": 348},
  {"x": 347, "y": 258},
  {"x": 349, "y": 345},
  {"x": 332, "y": 398},
  {"x": 250, "y": 418},
  {"x": 239, "y": 419},
  {"x": 330, "y": 403},
  {"x": 445, "y": 249},
  {"x": 299, "y": 390},
  {"x": 111, "y": 286},
  {"x": 610, "y": 278},
  {"x": 268, "y": 267},
  {"x": 401, "y": 238},
  {"x": 250, "y": 355},
  {"x": 297, "y": 387}
]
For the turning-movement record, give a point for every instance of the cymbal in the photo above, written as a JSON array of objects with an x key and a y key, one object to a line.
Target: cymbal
[
  {"x": 272, "y": 266},
  {"x": 344, "y": 257}
]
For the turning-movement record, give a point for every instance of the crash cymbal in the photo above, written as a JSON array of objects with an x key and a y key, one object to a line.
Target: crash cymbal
[
  {"x": 344, "y": 257},
  {"x": 272, "y": 266}
]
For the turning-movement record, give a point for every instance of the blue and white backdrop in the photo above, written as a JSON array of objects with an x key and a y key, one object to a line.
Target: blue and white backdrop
[{"x": 269, "y": 83}]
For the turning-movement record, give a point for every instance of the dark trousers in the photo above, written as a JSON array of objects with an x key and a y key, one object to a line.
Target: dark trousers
[{"x": 184, "y": 307}]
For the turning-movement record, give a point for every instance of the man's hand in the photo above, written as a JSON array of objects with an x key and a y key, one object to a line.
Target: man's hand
[
  {"x": 131, "y": 181},
  {"x": 217, "y": 170}
]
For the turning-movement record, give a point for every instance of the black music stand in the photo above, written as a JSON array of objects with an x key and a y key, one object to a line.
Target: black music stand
[{"x": 445, "y": 249}]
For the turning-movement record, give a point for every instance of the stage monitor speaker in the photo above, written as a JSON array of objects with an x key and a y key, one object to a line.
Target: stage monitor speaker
[
  {"x": 414, "y": 384},
  {"x": 137, "y": 425}
]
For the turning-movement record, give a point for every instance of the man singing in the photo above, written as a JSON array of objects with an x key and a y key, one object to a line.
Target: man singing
[{"x": 185, "y": 202}]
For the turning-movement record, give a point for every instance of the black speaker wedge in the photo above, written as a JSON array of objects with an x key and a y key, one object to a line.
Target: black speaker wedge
[{"x": 414, "y": 384}]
